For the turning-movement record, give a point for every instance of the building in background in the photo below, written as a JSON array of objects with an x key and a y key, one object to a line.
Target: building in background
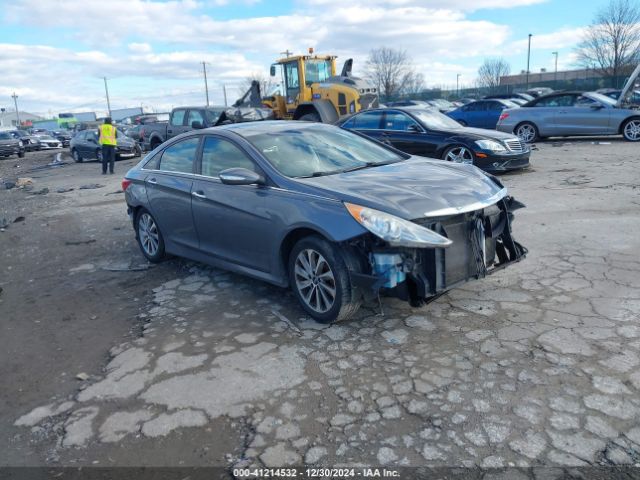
[{"x": 10, "y": 119}]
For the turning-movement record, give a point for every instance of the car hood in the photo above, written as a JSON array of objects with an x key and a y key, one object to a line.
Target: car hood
[
  {"x": 482, "y": 133},
  {"x": 9, "y": 142},
  {"x": 628, "y": 88},
  {"x": 414, "y": 188}
]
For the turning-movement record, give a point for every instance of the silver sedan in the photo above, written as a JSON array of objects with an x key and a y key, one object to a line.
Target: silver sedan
[
  {"x": 571, "y": 113},
  {"x": 565, "y": 114}
]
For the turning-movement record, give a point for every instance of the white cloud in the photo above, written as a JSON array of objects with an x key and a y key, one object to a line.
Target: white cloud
[{"x": 155, "y": 48}]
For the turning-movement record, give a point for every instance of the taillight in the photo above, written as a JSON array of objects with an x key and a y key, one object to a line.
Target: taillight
[
  {"x": 503, "y": 116},
  {"x": 125, "y": 184}
]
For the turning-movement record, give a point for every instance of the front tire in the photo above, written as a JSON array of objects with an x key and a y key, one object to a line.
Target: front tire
[
  {"x": 631, "y": 130},
  {"x": 149, "y": 237},
  {"x": 76, "y": 156},
  {"x": 527, "y": 132},
  {"x": 320, "y": 280},
  {"x": 458, "y": 154}
]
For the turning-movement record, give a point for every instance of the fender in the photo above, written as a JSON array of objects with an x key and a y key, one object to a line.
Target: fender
[{"x": 324, "y": 108}]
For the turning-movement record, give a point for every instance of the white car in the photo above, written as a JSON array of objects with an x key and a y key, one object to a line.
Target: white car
[{"x": 47, "y": 142}]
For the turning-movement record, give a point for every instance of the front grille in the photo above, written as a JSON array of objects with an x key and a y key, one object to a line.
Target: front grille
[{"x": 515, "y": 145}]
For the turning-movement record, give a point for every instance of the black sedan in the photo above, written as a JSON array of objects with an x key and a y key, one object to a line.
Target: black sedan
[
  {"x": 337, "y": 217},
  {"x": 85, "y": 146},
  {"x": 30, "y": 142},
  {"x": 429, "y": 133},
  {"x": 10, "y": 145},
  {"x": 63, "y": 136}
]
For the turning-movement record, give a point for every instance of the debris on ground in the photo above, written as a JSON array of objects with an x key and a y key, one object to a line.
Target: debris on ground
[
  {"x": 114, "y": 193},
  {"x": 80, "y": 242},
  {"x": 24, "y": 182},
  {"x": 91, "y": 186},
  {"x": 3, "y": 223},
  {"x": 82, "y": 376},
  {"x": 9, "y": 184},
  {"x": 42, "y": 191},
  {"x": 65, "y": 189},
  {"x": 18, "y": 219},
  {"x": 127, "y": 268}
]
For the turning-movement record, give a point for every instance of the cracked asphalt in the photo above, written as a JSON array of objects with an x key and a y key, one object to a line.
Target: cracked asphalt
[{"x": 537, "y": 365}]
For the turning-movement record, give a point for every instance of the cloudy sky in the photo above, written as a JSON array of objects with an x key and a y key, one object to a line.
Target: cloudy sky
[{"x": 54, "y": 53}]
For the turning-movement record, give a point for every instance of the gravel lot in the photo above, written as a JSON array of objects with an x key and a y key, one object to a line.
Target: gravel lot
[{"x": 188, "y": 365}]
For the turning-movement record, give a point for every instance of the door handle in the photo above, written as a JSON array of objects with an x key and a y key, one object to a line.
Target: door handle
[
  {"x": 199, "y": 194},
  {"x": 152, "y": 181}
]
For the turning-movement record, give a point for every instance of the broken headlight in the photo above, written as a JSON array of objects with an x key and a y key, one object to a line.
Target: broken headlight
[{"x": 395, "y": 230}]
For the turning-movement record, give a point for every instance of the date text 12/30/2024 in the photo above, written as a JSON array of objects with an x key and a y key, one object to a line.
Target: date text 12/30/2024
[{"x": 364, "y": 472}]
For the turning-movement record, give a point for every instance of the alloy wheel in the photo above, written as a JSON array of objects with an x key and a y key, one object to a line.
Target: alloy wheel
[
  {"x": 315, "y": 280},
  {"x": 148, "y": 232},
  {"x": 459, "y": 155},
  {"x": 632, "y": 130},
  {"x": 526, "y": 132}
]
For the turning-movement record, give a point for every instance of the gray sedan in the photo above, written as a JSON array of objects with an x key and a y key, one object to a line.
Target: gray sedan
[
  {"x": 337, "y": 217},
  {"x": 571, "y": 113}
]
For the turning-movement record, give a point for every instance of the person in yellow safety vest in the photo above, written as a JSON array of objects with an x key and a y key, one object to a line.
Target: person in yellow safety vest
[{"x": 108, "y": 140}]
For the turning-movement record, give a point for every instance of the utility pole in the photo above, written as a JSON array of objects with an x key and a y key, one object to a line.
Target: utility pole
[
  {"x": 528, "y": 59},
  {"x": 15, "y": 102},
  {"x": 287, "y": 53},
  {"x": 224, "y": 90},
  {"x": 206, "y": 87},
  {"x": 106, "y": 90},
  {"x": 555, "y": 74},
  {"x": 458, "y": 84}
]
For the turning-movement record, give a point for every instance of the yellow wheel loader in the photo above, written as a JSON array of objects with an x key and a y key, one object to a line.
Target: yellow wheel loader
[{"x": 310, "y": 90}]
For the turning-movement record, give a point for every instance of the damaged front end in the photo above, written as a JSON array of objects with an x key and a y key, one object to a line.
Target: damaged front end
[{"x": 467, "y": 243}]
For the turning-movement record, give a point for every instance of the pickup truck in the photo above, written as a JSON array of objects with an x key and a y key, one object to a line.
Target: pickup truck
[{"x": 184, "y": 119}]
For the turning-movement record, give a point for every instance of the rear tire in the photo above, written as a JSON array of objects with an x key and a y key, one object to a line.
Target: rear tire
[
  {"x": 527, "y": 132},
  {"x": 310, "y": 117},
  {"x": 149, "y": 237},
  {"x": 631, "y": 130},
  {"x": 320, "y": 279}
]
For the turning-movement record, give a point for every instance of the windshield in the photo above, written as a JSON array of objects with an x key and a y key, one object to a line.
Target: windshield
[
  {"x": 319, "y": 150},
  {"x": 434, "y": 120},
  {"x": 5, "y": 136},
  {"x": 602, "y": 98},
  {"x": 316, "y": 71}
]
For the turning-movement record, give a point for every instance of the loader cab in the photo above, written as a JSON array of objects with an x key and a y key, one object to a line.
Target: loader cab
[{"x": 298, "y": 73}]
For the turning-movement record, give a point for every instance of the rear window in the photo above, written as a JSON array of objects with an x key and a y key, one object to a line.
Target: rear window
[{"x": 179, "y": 157}]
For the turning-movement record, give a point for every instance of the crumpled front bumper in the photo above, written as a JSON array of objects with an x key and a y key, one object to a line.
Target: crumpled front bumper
[{"x": 482, "y": 245}]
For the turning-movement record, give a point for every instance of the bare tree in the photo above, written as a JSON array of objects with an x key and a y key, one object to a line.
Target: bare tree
[
  {"x": 414, "y": 84},
  {"x": 611, "y": 43},
  {"x": 389, "y": 70},
  {"x": 490, "y": 72}
]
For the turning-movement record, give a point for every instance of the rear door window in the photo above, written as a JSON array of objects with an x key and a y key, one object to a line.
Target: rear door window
[
  {"x": 180, "y": 156},
  {"x": 368, "y": 120}
]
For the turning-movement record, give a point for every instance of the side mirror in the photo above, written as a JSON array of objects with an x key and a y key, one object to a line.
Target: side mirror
[
  {"x": 240, "y": 176},
  {"x": 196, "y": 125},
  {"x": 413, "y": 128},
  {"x": 272, "y": 71}
]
